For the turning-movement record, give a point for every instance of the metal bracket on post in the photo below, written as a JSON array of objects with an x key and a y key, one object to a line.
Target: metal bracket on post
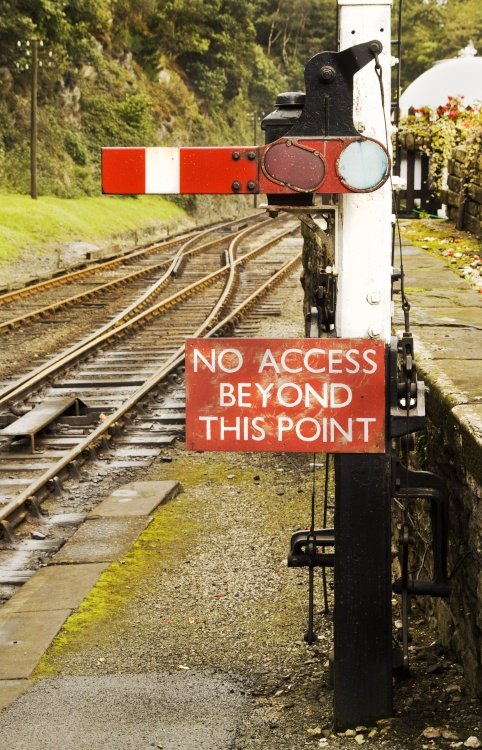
[
  {"x": 405, "y": 418},
  {"x": 327, "y": 299},
  {"x": 407, "y": 415},
  {"x": 424, "y": 485},
  {"x": 409, "y": 486}
]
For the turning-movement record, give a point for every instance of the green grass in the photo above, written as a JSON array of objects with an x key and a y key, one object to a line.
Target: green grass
[{"x": 36, "y": 224}]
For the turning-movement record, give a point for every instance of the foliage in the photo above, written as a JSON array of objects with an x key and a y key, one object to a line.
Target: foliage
[
  {"x": 438, "y": 132},
  {"x": 171, "y": 72},
  {"x": 292, "y": 31},
  {"x": 433, "y": 30}
]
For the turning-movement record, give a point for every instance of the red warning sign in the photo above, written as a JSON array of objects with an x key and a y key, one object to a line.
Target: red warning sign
[{"x": 290, "y": 395}]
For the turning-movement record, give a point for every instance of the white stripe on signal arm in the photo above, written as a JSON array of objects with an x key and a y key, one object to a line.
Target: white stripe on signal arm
[{"x": 162, "y": 170}]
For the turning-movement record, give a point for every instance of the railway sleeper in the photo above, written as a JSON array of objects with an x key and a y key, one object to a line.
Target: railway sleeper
[{"x": 43, "y": 414}]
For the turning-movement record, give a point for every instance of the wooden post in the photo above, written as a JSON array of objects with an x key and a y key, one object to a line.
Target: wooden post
[
  {"x": 410, "y": 201},
  {"x": 362, "y": 615},
  {"x": 33, "y": 121}
]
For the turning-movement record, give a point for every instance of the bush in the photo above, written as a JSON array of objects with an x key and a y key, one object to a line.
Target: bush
[
  {"x": 75, "y": 148},
  {"x": 437, "y": 132}
]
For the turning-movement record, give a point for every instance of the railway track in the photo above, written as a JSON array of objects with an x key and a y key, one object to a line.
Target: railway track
[
  {"x": 36, "y": 300},
  {"x": 122, "y": 384},
  {"x": 91, "y": 296}
]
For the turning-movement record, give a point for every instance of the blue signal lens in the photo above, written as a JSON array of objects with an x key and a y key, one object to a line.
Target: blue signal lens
[{"x": 363, "y": 165}]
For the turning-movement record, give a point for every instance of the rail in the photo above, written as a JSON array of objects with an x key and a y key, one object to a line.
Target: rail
[{"x": 114, "y": 420}]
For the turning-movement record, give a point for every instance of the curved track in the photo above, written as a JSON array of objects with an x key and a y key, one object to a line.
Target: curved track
[
  {"x": 19, "y": 307},
  {"x": 68, "y": 319},
  {"x": 111, "y": 371}
]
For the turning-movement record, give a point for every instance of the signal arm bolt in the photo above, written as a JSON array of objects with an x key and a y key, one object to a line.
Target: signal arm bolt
[
  {"x": 236, "y": 185},
  {"x": 327, "y": 73},
  {"x": 251, "y": 155},
  {"x": 251, "y": 185},
  {"x": 236, "y": 155}
]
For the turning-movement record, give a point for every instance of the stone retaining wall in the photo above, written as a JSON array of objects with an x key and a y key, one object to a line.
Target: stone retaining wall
[
  {"x": 451, "y": 447},
  {"x": 464, "y": 196}
]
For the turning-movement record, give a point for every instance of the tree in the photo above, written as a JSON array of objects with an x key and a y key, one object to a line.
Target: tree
[
  {"x": 435, "y": 30},
  {"x": 292, "y": 31}
]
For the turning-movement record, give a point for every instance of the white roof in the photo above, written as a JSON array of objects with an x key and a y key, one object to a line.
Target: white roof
[{"x": 460, "y": 76}]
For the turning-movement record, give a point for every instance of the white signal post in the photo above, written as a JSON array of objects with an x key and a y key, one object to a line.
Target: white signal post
[
  {"x": 363, "y": 262},
  {"x": 362, "y": 572}
]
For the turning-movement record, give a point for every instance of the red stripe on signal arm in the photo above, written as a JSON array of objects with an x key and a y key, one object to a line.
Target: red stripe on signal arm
[
  {"x": 124, "y": 171},
  {"x": 219, "y": 171}
]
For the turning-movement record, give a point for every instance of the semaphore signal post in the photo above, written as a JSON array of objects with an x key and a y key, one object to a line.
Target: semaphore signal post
[{"x": 350, "y": 389}]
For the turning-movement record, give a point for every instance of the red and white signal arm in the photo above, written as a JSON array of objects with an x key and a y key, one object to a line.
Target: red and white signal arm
[
  {"x": 338, "y": 164},
  {"x": 290, "y": 395}
]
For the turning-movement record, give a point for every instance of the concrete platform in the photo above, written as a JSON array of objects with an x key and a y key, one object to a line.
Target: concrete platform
[
  {"x": 55, "y": 587},
  {"x": 442, "y": 344},
  {"x": 102, "y": 540},
  {"x": 24, "y": 636},
  {"x": 446, "y": 316},
  {"x": 136, "y": 499},
  {"x": 10, "y": 690}
]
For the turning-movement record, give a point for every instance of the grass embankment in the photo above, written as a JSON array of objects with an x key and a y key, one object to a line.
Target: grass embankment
[{"x": 37, "y": 225}]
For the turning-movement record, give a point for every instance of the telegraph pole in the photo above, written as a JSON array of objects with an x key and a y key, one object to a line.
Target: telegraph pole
[
  {"x": 255, "y": 141},
  {"x": 33, "y": 120},
  {"x": 29, "y": 60}
]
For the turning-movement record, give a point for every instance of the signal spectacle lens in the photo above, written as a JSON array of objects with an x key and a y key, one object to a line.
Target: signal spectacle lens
[{"x": 363, "y": 165}]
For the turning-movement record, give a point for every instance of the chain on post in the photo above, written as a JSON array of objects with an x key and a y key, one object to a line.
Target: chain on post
[
  {"x": 311, "y": 551},
  {"x": 325, "y": 521}
]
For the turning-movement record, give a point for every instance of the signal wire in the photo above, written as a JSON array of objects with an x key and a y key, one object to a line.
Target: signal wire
[
  {"x": 405, "y": 302},
  {"x": 404, "y": 534}
]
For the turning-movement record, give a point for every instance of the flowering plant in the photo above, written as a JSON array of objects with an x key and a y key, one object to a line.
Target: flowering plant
[{"x": 436, "y": 132}]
